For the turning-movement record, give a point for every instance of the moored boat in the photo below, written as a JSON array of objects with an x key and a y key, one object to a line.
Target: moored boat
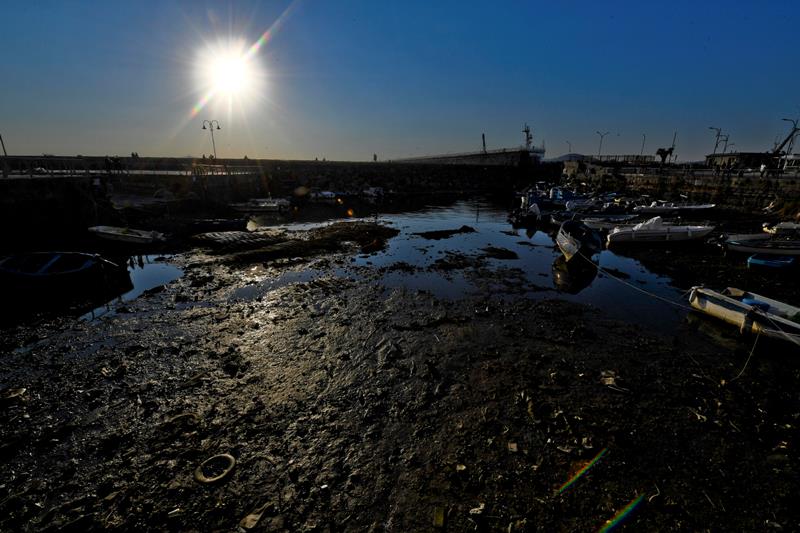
[
  {"x": 655, "y": 230},
  {"x": 575, "y": 238},
  {"x": 771, "y": 261},
  {"x": 607, "y": 222},
  {"x": 764, "y": 245},
  {"x": 666, "y": 208},
  {"x": 750, "y": 312},
  {"x": 137, "y": 236},
  {"x": 262, "y": 205},
  {"x": 782, "y": 228}
]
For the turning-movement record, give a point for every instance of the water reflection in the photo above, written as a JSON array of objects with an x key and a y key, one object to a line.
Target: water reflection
[
  {"x": 144, "y": 272},
  {"x": 573, "y": 276}
]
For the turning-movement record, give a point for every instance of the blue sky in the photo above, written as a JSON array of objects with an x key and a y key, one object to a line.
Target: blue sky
[{"x": 347, "y": 79}]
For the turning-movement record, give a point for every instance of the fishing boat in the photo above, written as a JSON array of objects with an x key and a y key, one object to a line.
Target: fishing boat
[
  {"x": 780, "y": 262},
  {"x": 655, "y": 230},
  {"x": 749, "y": 311},
  {"x": 666, "y": 208},
  {"x": 136, "y": 236},
  {"x": 262, "y": 205},
  {"x": 575, "y": 238}
]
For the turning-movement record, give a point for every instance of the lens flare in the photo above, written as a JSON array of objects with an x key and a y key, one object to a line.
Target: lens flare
[
  {"x": 621, "y": 515},
  {"x": 582, "y": 471}
]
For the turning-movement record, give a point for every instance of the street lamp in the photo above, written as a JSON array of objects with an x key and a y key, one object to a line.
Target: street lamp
[
  {"x": 599, "y": 148},
  {"x": 641, "y": 152},
  {"x": 211, "y": 124},
  {"x": 719, "y": 132},
  {"x": 569, "y": 147},
  {"x": 725, "y": 146}
]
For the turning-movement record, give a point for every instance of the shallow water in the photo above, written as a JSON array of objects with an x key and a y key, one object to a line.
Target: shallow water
[
  {"x": 540, "y": 265},
  {"x": 146, "y": 272}
]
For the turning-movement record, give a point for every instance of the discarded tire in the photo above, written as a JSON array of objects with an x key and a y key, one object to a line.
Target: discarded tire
[{"x": 201, "y": 477}]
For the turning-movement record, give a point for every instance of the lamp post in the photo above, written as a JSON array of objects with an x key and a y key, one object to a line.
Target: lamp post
[
  {"x": 644, "y": 137},
  {"x": 719, "y": 132},
  {"x": 569, "y": 147},
  {"x": 600, "y": 148},
  {"x": 725, "y": 146},
  {"x": 211, "y": 124}
]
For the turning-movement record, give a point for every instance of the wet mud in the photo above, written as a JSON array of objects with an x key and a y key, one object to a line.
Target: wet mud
[{"x": 329, "y": 402}]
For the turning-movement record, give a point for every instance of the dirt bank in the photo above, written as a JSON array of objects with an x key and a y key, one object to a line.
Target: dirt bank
[{"x": 348, "y": 406}]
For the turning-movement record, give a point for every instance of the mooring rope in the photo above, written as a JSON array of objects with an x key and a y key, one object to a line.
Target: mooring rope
[
  {"x": 686, "y": 307},
  {"x": 634, "y": 287}
]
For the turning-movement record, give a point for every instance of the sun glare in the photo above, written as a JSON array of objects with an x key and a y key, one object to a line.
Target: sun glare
[{"x": 228, "y": 74}]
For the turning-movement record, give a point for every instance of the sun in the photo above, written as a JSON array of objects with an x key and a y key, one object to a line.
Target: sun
[{"x": 230, "y": 73}]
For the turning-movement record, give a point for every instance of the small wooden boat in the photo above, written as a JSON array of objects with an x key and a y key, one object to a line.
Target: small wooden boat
[
  {"x": 749, "y": 311},
  {"x": 655, "y": 230},
  {"x": 771, "y": 261},
  {"x": 575, "y": 238},
  {"x": 262, "y": 205},
  {"x": 137, "y": 236},
  {"x": 666, "y": 208}
]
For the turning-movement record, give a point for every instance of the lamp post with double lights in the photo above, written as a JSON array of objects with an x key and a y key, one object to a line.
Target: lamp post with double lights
[
  {"x": 211, "y": 124},
  {"x": 600, "y": 148}
]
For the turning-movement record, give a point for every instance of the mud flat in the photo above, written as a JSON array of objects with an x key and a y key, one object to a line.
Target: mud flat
[{"x": 347, "y": 405}]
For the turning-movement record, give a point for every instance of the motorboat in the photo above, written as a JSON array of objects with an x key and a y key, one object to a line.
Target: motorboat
[
  {"x": 262, "y": 205},
  {"x": 575, "y": 238},
  {"x": 750, "y": 312},
  {"x": 607, "y": 222},
  {"x": 130, "y": 235},
  {"x": 667, "y": 208},
  {"x": 655, "y": 230}
]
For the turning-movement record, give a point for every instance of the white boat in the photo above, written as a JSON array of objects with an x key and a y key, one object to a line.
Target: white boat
[
  {"x": 750, "y": 312},
  {"x": 262, "y": 205},
  {"x": 655, "y": 230},
  {"x": 137, "y": 236},
  {"x": 574, "y": 238},
  {"x": 608, "y": 222},
  {"x": 665, "y": 208},
  {"x": 324, "y": 197}
]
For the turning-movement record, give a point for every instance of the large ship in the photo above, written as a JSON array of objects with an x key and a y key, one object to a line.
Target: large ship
[{"x": 524, "y": 155}]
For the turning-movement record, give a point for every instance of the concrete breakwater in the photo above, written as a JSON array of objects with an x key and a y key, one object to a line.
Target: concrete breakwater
[
  {"x": 733, "y": 192},
  {"x": 67, "y": 199}
]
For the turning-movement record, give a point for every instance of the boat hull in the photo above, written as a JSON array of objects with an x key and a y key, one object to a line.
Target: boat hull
[
  {"x": 134, "y": 236},
  {"x": 749, "y": 318},
  {"x": 664, "y": 234}
]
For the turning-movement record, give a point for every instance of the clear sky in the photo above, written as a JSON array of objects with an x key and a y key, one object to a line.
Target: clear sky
[{"x": 346, "y": 79}]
